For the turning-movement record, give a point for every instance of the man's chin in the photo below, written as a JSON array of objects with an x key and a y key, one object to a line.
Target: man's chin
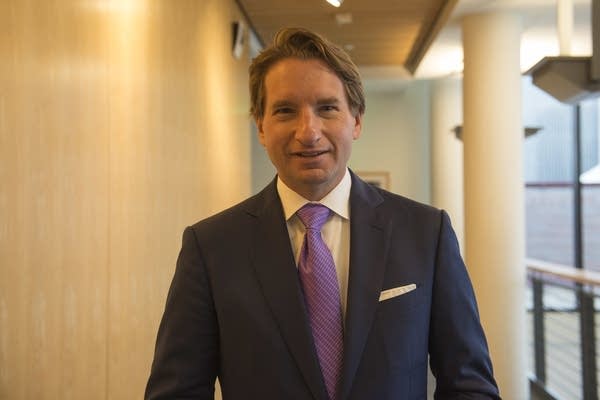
[
  {"x": 320, "y": 179},
  {"x": 314, "y": 176}
]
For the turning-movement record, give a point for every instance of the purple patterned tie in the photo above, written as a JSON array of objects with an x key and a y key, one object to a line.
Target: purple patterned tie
[{"x": 322, "y": 295}]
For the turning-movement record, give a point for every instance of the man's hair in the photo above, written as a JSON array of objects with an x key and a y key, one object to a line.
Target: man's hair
[{"x": 303, "y": 44}]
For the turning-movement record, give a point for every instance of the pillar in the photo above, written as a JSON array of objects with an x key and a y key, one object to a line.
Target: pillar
[
  {"x": 494, "y": 189},
  {"x": 447, "y": 151}
]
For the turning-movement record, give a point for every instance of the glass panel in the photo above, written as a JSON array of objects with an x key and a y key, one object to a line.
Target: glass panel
[
  {"x": 548, "y": 154},
  {"x": 549, "y": 223},
  {"x": 549, "y": 174},
  {"x": 590, "y": 140},
  {"x": 590, "y": 160},
  {"x": 591, "y": 226}
]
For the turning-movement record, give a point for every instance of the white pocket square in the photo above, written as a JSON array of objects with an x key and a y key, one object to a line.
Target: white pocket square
[{"x": 397, "y": 291}]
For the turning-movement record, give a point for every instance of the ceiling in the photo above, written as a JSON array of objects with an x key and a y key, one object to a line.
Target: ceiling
[
  {"x": 404, "y": 39},
  {"x": 374, "y": 32}
]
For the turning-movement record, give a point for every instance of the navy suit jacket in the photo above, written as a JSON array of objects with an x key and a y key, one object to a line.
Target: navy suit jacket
[{"x": 235, "y": 309}]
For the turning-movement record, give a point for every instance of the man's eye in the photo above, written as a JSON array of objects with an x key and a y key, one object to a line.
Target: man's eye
[
  {"x": 328, "y": 108},
  {"x": 283, "y": 110}
]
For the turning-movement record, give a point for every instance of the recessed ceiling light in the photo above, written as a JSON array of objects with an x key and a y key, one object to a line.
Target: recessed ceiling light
[
  {"x": 335, "y": 3},
  {"x": 343, "y": 18}
]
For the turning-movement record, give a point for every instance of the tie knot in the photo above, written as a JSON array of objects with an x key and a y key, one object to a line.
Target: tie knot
[{"x": 313, "y": 215}]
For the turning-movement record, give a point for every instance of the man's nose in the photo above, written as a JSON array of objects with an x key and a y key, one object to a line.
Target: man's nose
[{"x": 309, "y": 128}]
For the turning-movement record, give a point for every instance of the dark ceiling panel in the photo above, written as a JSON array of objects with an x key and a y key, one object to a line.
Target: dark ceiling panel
[{"x": 382, "y": 32}]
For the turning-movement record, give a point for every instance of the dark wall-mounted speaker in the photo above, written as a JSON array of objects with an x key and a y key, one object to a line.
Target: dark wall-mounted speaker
[{"x": 238, "y": 39}]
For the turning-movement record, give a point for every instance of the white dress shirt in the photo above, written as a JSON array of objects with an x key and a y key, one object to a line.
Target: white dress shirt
[{"x": 335, "y": 232}]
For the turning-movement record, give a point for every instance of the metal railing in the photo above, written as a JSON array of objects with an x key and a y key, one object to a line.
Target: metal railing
[{"x": 564, "y": 308}]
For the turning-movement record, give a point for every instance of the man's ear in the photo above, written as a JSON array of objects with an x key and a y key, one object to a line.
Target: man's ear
[
  {"x": 357, "y": 126},
  {"x": 261, "y": 133}
]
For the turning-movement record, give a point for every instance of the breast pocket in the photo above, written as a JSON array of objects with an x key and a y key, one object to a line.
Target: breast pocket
[
  {"x": 401, "y": 299},
  {"x": 403, "y": 326}
]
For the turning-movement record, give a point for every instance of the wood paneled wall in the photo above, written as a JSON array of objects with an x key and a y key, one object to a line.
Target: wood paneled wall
[{"x": 121, "y": 121}]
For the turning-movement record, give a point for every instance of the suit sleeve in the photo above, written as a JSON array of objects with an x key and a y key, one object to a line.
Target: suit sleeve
[
  {"x": 458, "y": 349},
  {"x": 186, "y": 355}
]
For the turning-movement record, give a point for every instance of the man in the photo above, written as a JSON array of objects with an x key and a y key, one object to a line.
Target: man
[{"x": 277, "y": 310}]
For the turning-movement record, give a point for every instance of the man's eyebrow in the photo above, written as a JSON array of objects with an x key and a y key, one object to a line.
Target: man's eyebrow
[
  {"x": 282, "y": 103},
  {"x": 290, "y": 103},
  {"x": 328, "y": 100}
]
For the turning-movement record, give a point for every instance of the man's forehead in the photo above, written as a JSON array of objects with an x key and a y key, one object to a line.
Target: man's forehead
[
  {"x": 291, "y": 65},
  {"x": 278, "y": 84},
  {"x": 313, "y": 61}
]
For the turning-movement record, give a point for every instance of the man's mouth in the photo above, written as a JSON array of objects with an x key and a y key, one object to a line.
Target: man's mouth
[{"x": 309, "y": 154}]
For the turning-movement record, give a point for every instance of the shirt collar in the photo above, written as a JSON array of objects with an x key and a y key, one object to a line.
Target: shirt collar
[{"x": 338, "y": 200}]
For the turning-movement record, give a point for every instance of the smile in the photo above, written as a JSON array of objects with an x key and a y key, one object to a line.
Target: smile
[{"x": 309, "y": 153}]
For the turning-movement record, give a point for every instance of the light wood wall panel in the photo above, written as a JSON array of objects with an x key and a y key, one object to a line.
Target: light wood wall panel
[
  {"x": 54, "y": 202},
  {"x": 120, "y": 123},
  {"x": 177, "y": 128}
]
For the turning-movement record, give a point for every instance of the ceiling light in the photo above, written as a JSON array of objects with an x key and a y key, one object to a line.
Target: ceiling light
[
  {"x": 343, "y": 18},
  {"x": 335, "y": 3}
]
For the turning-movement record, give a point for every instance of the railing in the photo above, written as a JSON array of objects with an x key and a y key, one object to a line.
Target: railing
[{"x": 564, "y": 305}]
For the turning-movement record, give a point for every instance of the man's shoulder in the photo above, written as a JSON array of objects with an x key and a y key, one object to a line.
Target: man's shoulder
[
  {"x": 364, "y": 193},
  {"x": 393, "y": 202},
  {"x": 411, "y": 213},
  {"x": 232, "y": 213},
  {"x": 396, "y": 200},
  {"x": 236, "y": 216}
]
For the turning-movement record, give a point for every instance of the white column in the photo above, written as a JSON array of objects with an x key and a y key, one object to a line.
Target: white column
[
  {"x": 493, "y": 173},
  {"x": 564, "y": 23},
  {"x": 447, "y": 151}
]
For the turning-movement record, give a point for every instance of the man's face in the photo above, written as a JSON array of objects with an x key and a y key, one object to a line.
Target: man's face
[{"x": 307, "y": 127}]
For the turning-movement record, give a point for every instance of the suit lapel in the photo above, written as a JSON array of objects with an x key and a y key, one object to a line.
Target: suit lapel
[
  {"x": 369, "y": 241},
  {"x": 277, "y": 274}
]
